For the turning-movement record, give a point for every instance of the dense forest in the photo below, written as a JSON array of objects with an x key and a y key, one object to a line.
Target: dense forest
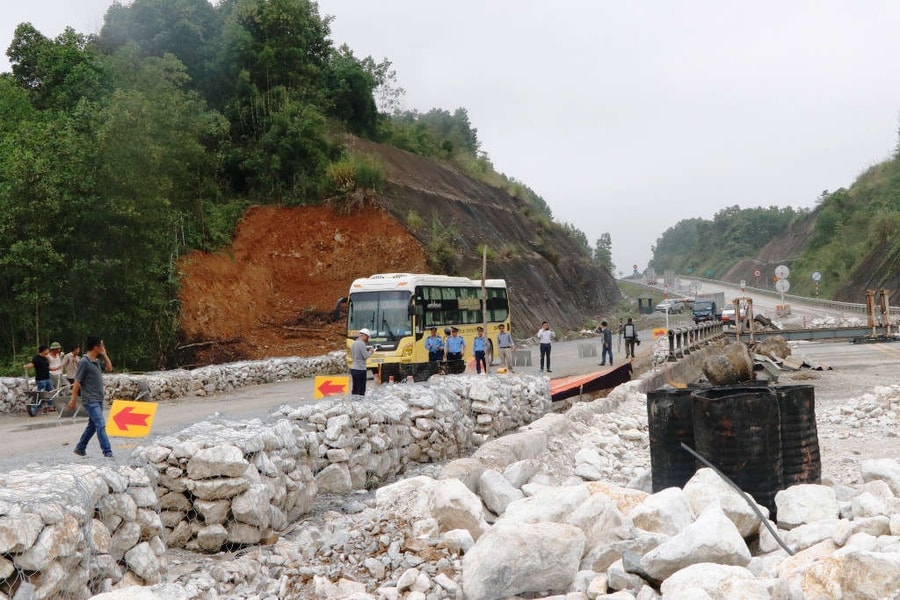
[
  {"x": 709, "y": 248},
  {"x": 120, "y": 152}
]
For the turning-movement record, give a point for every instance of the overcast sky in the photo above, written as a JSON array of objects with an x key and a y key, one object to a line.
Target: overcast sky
[{"x": 628, "y": 116}]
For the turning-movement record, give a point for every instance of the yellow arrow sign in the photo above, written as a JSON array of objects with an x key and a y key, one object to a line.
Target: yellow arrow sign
[
  {"x": 130, "y": 419},
  {"x": 330, "y": 385}
]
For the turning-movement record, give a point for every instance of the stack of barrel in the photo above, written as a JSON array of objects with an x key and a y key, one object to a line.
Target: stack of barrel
[{"x": 763, "y": 438}]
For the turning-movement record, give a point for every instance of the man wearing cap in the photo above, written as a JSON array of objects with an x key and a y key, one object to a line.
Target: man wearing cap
[
  {"x": 456, "y": 345},
  {"x": 55, "y": 359},
  {"x": 479, "y": 347},
  {"x": 360, "y": 351},
  {"x": 506, "y": 345},
  {"x": 435, "y": 346}
]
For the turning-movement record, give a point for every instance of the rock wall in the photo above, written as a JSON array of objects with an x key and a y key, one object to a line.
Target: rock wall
[
  {"x": 71, "y": 531},
  {"x": 65, "y": 531},
  {"x": 235, "y": 483},
  {"x": 180, "y": 383}
]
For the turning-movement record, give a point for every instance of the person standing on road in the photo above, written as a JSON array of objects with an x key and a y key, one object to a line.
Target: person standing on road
[
  {"x": 619, "y": 332},
  {"x": 70, "y": 363},
  {"x": 456, "y": 345},
  {"x": 89, "y": 382},
  {"x": 478, "y": 348},
  {"x": 606, "y": 334},
  {"x": 435, "y": 346},
  {"x": 55, "y": 360},
  {"x": 360, "y": 351},
  {"x": 629, "y": 333},
  {"x": 506, "y": 345},
  {"x": 544, "y": 335}
]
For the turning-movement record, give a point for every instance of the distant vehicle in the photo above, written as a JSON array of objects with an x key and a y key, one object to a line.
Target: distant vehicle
[
  {"x": 705, "y": 310},
  {"x": 701, "y": 311},
  {"x": 728, "y": 315},
  {"x": 671, "y": 305}
]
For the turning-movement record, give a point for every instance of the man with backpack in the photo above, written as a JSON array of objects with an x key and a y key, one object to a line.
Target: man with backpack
[{"x": 630, "y": 334}]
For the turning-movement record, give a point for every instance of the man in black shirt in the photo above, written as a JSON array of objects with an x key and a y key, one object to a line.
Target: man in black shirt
[{"x": 41, "y": 364}]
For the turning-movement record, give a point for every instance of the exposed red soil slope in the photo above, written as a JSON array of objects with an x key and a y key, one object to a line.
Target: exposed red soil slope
[{"x": 274, "y": 293}]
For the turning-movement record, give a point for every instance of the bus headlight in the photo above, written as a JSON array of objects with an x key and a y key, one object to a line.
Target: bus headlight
[{"x": 407, "y": 350}]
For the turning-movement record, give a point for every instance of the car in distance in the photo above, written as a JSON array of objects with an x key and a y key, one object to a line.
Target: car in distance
[
  {"x": 671, "y": 305},
  {"x": 728, "y": 315},
  {"x": 704, "y": 310}
]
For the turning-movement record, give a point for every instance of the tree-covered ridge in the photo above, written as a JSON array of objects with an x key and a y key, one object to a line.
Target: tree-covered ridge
[
  {"x": 119, "y": 152},
  {"x": 856, "y": 229},
  {"x": 709, "y": 248}
]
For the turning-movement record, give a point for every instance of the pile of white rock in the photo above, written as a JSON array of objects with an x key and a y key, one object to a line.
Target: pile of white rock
[
  {"x": 878, "y": 409},
  {"x": 561, "y": 509},
  {"x": 232, "y": 483},
  {"x": 64, "y": 531},
  {"x": 181, "y": 383}
]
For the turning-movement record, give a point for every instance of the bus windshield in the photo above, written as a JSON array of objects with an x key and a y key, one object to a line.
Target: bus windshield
[{"x": 385, "y": 314}]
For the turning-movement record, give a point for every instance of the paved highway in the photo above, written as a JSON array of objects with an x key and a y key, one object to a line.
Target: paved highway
[{"x": 48, "y": 440}]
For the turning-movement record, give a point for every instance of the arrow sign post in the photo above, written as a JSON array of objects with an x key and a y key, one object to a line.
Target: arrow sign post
[
  {"x": 130, "y": 419},
  {"x": 330, "y": 385}
]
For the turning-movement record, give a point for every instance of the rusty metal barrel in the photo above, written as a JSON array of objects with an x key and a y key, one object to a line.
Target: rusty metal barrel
[
  {"x": 670, "y": 421},
  {"x": 738, "y": 430},
  {"x": 801, "y": 460}
]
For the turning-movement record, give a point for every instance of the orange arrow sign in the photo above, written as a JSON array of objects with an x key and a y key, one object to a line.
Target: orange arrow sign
[
  {"x": 130, "y": 419},
  {"x": 330, "y": 386}
]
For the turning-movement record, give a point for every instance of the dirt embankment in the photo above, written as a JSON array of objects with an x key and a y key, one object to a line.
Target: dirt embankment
[
  {"x": 272, "y": 294},
  {"x": 273, "y": 291}
]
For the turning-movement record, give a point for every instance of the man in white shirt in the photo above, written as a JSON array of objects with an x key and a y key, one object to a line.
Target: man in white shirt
[{"x": 544, "y": 335}]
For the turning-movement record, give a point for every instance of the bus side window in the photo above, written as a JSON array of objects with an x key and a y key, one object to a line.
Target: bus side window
[{"x": 417, "y": 310}]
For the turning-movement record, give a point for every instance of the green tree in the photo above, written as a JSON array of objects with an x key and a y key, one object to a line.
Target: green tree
[
  {"x": 187, "y": 29},
  {"x": 349, "y": 86},
  {"x": 603, "y": 251},
  {"x": 56, "y": 73}
]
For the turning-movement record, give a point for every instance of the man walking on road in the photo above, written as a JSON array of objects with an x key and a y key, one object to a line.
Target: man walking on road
[
  {"x": 606, "y": 334},
  {"x": 89, "y": 381},
  {"x": 629, "y": 332}
]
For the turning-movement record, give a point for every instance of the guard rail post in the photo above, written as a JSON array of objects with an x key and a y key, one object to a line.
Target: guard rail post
[{"x": 671, "y": 357}]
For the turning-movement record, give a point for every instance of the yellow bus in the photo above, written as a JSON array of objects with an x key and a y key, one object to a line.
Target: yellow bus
[{"x": 399, "y": 310}]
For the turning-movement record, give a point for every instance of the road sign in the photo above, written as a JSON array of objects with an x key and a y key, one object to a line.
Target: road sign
[
  {"x": 816, "y": 276},
  {"x": 128, "y": 418},
  {"x": 757, "y": 273},
  {"x": 783, "y": 285},
  {"x": 330, "y": 385},
  {"x": 782, "y": 272}
]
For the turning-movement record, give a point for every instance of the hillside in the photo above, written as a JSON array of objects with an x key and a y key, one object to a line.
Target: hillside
[{"x": 272, "y": 291}]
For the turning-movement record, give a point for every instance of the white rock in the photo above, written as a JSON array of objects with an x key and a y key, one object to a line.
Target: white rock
[
  {"x": 496, "y": 491},
  {"x": 522, "y": 557},
  {"x": 718, "y": 582},
  {"x": 456, "y": 507},
  {"x": 711, "y": 538},
  {"x": 218, "y": 461},
  {"x": 666, "y": 511},
  {"x": 805, "y": 503}
]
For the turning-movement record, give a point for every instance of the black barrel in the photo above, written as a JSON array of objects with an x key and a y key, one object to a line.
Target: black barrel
[
  {"x": 670, "y": 420},
  {"x": 737, "y": 430},
  {"x": 799, "y": 436}
]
